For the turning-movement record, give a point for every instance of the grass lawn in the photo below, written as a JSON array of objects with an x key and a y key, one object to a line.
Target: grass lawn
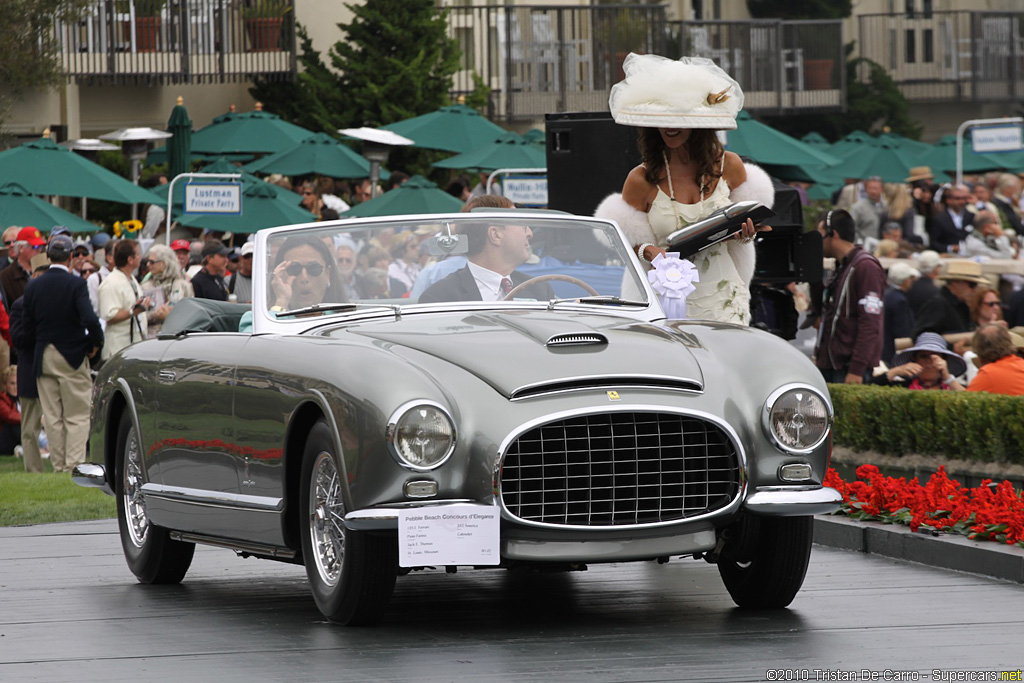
[{"x": 40, "y": 498}]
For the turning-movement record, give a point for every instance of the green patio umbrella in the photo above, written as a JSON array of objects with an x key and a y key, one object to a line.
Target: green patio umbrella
[
  {"x": 777, "y": 152},
  {"x": 909, "y": 144},
  {"x": 320, "y": 154},
  {"x": 19, "y": 207},
  {"x": 179, "y": 147},
  {"x": 883, "y": 158},
  {"x": 942, "y": 159},
  {"x": 815, "y": 139},
  {"x": 850, "y": 142},
  {"x": 535, "y": 136},
  {"x": 263, "y": 206},
  {"x": 415, "y": 195},
  {"x": 43, "y": 167},
  {"x": 509, "y": 150},
  {"x": 457, "y": 128},
  {"x": 253, "y": 132}
]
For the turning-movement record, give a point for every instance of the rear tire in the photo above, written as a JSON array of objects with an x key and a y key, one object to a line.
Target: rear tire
[
  {"x": 351, "y": 573},
  {"x": 767, "y": 570},
  {"x": 152, "y": 555}
]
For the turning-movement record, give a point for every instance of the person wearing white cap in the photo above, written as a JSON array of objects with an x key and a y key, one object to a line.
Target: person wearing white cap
[
  {"x": 899, "y": 319},
  {"x": 240, "y": 282},
  {"x": 686, "y": 175}
]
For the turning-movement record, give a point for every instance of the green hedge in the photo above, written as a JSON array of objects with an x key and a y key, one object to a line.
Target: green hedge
[{"x": 955, "y": 424}]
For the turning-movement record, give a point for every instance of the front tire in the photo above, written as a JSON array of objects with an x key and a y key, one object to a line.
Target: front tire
[
  {"x": 767, "y": 570},
  {"x": 351, "y": 573},
  {"x": 152, "y": 555}
]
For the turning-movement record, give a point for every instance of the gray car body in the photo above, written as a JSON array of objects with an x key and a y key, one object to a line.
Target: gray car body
[{"x": 221, "y": 417}]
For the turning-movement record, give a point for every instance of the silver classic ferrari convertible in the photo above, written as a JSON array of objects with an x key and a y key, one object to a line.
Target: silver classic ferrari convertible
[{"x": 507, "y": 394}]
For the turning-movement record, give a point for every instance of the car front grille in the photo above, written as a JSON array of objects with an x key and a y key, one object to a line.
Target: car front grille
[{"x": 619, "y": 469}]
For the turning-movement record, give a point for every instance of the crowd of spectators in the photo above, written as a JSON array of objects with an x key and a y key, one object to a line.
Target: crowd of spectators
[{"x": 953, "y": 294}]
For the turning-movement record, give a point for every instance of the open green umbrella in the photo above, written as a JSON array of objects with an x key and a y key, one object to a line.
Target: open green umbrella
[
  {"x": 850, "y": 142},
  {"x": 415, "y": 195},
  {"x": 908, "y": 144},
  {"x": 263, "y": 206},
  {"x": 815, "y": 139},
  {"x": 883, "y": 158},
  {"x": 942, "y": 158},
  {"x": 535, "y": 136},
  {"x": 253, "y": 132},
  {"x": 179, "y": 147},
  {"x": 777, "y": 152},
  {"x": 43, "y": 167},
  {"x": 509, "y": 150},
  {"x": 457, "y": 128},
  {"x": 19, "y": 207},
  {"x": 320, "y": 154}
]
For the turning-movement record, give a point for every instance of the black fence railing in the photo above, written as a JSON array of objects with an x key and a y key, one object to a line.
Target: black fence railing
[
  {"x": 178, "y": 41},
  {"x": 959, "y": 56},
  {"x": 541, "y": 59}
]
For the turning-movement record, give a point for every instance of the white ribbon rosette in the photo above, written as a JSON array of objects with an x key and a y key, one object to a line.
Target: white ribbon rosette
[{"x": 672, "y": 278}]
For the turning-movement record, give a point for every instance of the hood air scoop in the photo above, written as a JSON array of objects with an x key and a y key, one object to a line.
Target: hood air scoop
[{"x": 576, "y": 339}]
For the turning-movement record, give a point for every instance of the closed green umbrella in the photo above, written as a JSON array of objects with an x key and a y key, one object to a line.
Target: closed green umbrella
[
  {"x": 783, "y": 156},
  {"x": 179, "y": 147},
  {"x": 509, "y": 150},
  {"x": 18, "y": 207},
  {"x": 263, "y": 206},
  {"x": 457, "y": 128},
  {"x": 416, "y": 195},
  {"x": 942, "y": 158},
  {"x": 253, "y": 132},
  {"x": 43, "y": 167},
  {"x": 320, "y": 154}
]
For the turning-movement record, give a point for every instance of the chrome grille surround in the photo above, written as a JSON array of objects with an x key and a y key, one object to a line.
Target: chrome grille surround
[{"x": 618, "y": 468}]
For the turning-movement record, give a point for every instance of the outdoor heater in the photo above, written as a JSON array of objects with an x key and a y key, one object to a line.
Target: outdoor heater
[
  {"x": 135, "y": 147},
  {"x": 376, "y": 147}
]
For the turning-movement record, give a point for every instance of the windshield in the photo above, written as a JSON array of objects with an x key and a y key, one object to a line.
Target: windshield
[{"x": 507, "y": 259}]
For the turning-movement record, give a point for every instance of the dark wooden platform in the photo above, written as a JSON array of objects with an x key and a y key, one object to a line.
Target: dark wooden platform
[{"x": 71, "y": 611}]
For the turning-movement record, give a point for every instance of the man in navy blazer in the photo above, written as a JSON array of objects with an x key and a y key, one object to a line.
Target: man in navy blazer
[
  {"x": 494, "y": 252},
  {"x": 61, "y": 320},
  {"x": 949, "y": 227}
]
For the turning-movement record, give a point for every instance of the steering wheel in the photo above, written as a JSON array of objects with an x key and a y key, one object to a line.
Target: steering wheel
[{"x": 547, "y": 278}]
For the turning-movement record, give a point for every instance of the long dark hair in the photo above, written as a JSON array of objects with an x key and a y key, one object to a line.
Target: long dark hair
[
  {"x": 335, "y": 291},
  {"x": 703, "y": 146}
]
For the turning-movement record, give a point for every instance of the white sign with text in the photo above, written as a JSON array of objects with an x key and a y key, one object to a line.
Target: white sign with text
[
  {"x": 996, "y": 139},
  {"x": 526, "y": 190},
  {"x": 213, "y": 198},
  {"x": 449, "y": 534}
]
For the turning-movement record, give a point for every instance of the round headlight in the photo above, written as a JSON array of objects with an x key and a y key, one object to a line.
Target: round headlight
[
  {"x": 798, "y": 419},
  {"x": 421, "y": 436}
]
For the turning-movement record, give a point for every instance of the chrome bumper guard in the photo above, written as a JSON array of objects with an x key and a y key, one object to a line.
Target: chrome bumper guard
[
  {"x": 793, "y": 501},
  {"x": 92, "y": 475}
]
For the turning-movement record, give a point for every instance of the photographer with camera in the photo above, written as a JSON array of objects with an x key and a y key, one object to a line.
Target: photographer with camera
[{"x": 122, "y": 305}]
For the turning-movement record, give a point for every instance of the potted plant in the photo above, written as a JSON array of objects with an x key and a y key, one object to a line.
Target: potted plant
[
  {"x": 147, "y": 22},
  {"x": 620, "y": 31},
  {"x": 263, "y": 22}
]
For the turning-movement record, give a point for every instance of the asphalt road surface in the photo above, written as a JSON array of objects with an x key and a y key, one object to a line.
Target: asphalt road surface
[{"x": 71, "y": 611}]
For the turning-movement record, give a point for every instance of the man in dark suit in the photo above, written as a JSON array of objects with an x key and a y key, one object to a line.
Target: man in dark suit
[
  {"x": 949, "y": 227},
  {"x": 60, "y": 318},
  {"x": 494, "y": 253}
]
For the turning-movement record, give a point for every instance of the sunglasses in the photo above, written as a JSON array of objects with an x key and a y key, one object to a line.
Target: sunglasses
[
  {"x": 8, "y": 243},
  {"x": 150, "y": 261},
  {"x": 314, "y": 269},
  {"x": 990, "y": 303}
]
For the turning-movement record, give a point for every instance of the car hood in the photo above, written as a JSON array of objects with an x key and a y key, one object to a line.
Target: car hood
[{"x": 524, "y": 353}]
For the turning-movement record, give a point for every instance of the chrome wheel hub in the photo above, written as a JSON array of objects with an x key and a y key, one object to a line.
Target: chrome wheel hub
[
  {"x": 134, "y": 504},
  {"x": 326, "y": 512}
]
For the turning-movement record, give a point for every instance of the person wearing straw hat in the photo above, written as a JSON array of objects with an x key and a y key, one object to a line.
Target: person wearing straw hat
[
  {"x": 928, "y": 364},
  {"x": 920, "y": 173},
  {"x": 948, "y": 312},
  {"x": 1001, "y": 368},
  {"x": 686, "y": 175}
]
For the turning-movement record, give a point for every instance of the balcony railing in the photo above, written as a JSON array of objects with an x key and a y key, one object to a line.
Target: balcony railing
[
  {"x": 188, "y": 41},
  {"x": 541, "y": 59},
  {"x": 949, "y": 56}
]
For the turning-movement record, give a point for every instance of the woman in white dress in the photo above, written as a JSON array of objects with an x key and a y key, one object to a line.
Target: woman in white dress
[{"x": 685, "y": 174}]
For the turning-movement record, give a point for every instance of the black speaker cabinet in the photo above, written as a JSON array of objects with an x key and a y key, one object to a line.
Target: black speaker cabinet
[{"x": 588, "y": 156}]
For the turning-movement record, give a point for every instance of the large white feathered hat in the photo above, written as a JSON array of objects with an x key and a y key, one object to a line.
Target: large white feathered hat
[{"x": 662, "y": 93}]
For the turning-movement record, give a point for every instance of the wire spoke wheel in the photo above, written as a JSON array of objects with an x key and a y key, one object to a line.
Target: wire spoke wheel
[{"x": 326, "y": 515}]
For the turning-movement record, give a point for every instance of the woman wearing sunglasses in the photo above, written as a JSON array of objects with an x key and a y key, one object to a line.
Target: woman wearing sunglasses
[
  {"x": 304, "y": 274},
  {"x": 164, "y": 283}
]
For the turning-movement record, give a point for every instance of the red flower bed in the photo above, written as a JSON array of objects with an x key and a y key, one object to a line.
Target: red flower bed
[{"x": 993, "y": 512}]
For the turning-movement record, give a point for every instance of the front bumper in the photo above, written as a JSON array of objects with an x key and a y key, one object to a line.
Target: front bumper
[
  {"x": 792, "y": 501},
  {"x": 92, "y": 475}
]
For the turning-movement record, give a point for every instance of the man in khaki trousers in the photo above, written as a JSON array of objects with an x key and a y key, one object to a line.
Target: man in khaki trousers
[{"x": 59, "y": 316}]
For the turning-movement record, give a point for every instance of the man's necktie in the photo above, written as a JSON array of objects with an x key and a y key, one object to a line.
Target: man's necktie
[{"x": 506, "y": 286}]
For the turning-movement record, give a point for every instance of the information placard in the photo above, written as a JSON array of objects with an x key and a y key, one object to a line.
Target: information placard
[
  {"x": 223, "y": 198},
  {"x": 526, "y": 190},
  {"x": 996, "y": 139},
  {"x": 449, "y": 534}
]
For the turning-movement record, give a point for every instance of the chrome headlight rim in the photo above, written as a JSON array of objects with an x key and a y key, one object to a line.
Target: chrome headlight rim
[
  {"x": 391, "y": 434},
  {"x": 766, "y": 418}
]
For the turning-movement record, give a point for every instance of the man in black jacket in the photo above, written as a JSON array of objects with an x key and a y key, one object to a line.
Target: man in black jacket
[
  {"x": 60, "y": 318},
  {"x": 209, "y": 283},
  {"x": 949, "y": 227},
  {"x": 947, "y": 312}
]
